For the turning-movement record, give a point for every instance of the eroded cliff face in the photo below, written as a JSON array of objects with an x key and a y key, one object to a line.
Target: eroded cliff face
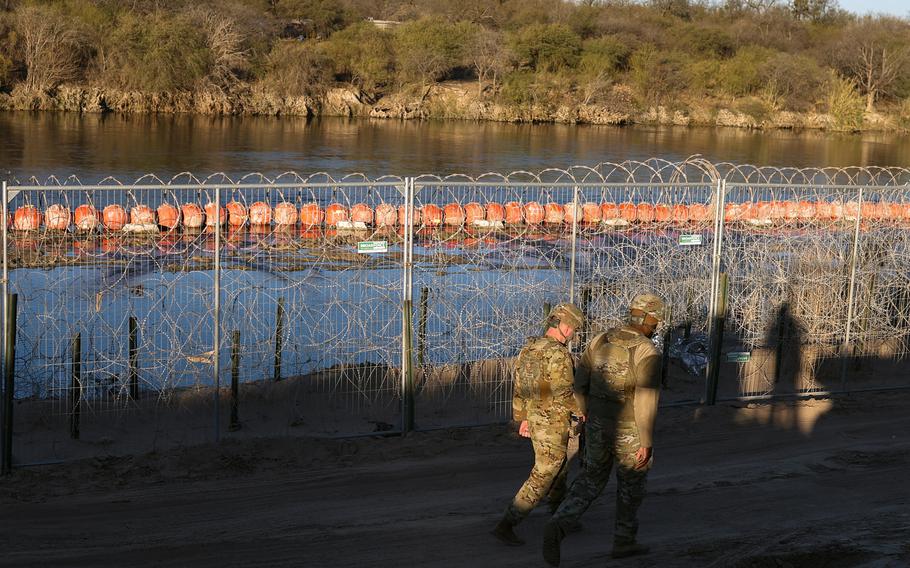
[{"x": 459, "y": 101}]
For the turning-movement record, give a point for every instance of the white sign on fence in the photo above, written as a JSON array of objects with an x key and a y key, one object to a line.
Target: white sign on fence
[
  {"x": 369, "y": 247},
  {"x": 690, "y": 240},
  {"x": 739, "y": 356}
]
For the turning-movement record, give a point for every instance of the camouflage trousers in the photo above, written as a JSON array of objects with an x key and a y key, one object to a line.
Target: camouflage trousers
[
  {"x": 607, "y": 441},
  {"x": 548, "y": 477}
]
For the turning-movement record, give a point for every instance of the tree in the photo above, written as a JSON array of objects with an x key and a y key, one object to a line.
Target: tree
[
  {"x": 297, "y": 68},
  {"x": 874, "y": 53},
  {"x": 601, "y": 61},
  {"x": 813, "y": 10},
  {"x": 362, "y": 54},
  {"x": 487, "y": 55},
  {"x": 51, "y": 46},
  {"x": 657, "y": 75},
  {"x": 427, "y": 50},
  {"x": 546, "y": 47}
]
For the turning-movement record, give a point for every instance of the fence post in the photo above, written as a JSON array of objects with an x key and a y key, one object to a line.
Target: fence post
[
  {"x": 279, "y": 339},
  {"x": 407, "y": 370},
  {"x": 133, "y": 376},
  {"x": 845, "y": 347},
  {"x": 9, "y": 390},
  {"x": 76, "y": 386},
  {"x": 422, "y": 309},
  {"x": 717, "y": 340},
  {"x": 574, "y": 243},
  {"x": 235, "y": 381},
  {"x": 216, "y": 351}
]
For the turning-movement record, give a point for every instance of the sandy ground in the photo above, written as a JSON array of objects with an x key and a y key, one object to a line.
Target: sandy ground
[{"x": 811, "y": 483}]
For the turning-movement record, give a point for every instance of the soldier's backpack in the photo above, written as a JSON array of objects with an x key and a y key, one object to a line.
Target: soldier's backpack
[
  {"x": 614, "y": 372},
  {"x": 530, "y": 384}
]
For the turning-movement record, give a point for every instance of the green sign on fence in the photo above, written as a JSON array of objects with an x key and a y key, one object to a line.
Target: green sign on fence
[
  {"x": 739, "y": 356},
  {"x": 690, "y": 240},
  {"x": 369, "y": 247}
]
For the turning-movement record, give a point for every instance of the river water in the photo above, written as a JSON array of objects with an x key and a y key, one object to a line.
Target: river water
[{"x": 93, "y": 147}]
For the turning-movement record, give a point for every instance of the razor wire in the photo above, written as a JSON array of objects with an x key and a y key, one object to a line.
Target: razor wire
[{"x": 489, "y": 253}]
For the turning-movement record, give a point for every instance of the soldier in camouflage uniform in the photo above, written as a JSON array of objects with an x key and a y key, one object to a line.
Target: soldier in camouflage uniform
[
  {"x": 543, "y": 401},
  {"x": 618, "y": 385}
]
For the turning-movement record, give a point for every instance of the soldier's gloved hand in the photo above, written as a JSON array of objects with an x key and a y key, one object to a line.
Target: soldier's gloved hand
[
  {"x": 524, "y": 429},
  {"x": 642, "y": 457}
]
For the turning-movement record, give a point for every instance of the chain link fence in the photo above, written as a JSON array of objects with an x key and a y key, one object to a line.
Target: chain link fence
[{"x": 169, "y": 312}]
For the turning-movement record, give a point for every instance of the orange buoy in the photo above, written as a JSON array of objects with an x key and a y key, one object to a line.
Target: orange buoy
[
  {"x": 513, "y": 213},
  {"x": 790, "y": 211},
  {"x": 805, "y": 211},
  {"x": 86, "y": 217},
  {"x": 417, "y": 213},
  {"x": 57, "y": 217},
  {"x": 474, "y": 211},
  {"x": 905, "y": 212},
  {"x": 628, "y": 211},
  {"x": 193, "y": 218},
  {"x": 432, "y": 215},
  {"x": 609, "y": 211},
  {"x": 285, "y": 214},
  {"x": 881, "y": 211},
  {"x": 27, "y": 218},
  {"x": 699, "y": 213},
  {"x": 894, "y": 211},
  {"x": 680, "y": 213},
  {"x": 214, "y": 215},
  {"x": 851, "y": 210},
  {"x": 574, "y": 211},
  {"x": 777, "y": 211},
  {"x": 534, "y": 213},
  {"x": 168, "y": 216},
  {"x": 362, "y": 213},
  {"x": 336, "y": 213},
  {"x": 260, "y": 214},
  {"x": 496, "y": 213},
  {"x": 760, "y": 212},
  {"x": 662, "y": 213},
  {"x": 554, "y": 213},
  {"x": 142, "y": 215},
  {"x": 590, "y": 213},
  {"x": 237, "y": 214},
  {"x": 644, "y": 213},
  {"x": 453, "y": 215},
  {"x": 114, "y": 217},
  {"x": 386, "y": 216}
]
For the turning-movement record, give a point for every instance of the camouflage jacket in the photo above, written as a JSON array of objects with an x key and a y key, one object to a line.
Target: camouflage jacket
[{"x": 543, "y": 381}]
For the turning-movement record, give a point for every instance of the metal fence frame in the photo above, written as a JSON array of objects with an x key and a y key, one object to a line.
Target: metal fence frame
[{"x": 721, "y": 181}]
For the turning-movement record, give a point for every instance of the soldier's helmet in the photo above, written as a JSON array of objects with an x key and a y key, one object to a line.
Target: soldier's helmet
[
  {"x": 650, "y": 305},
  {"x": 568, "y": 314}
]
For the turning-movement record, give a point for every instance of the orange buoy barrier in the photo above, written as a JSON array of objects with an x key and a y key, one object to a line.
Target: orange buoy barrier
[
  {"x": 554, "y": 213},
  {"x": 574, "y": 211},
  {"x": 86, "y": 217},
  {"x": 386, "y": 216},
  {"x": 260, "y": 214},
  {"x": 609, "y": 211},
  {"x": 432, "y": 215},
  {"x": 760, "y": 212},
  {"x": 142, "y": 215},
  {"x": 57, "y": 217},
  {"x": 534, "y": 213},
  {"x": 336, "y": 213},
  {"x": 881, "y": 211},
  {"x": 905, "y": 212},
  {"x": 237, "y": 214},
  {"x": 285, "y": 214},
  {"x": 806, "y": 211},
  {"x": 453, "y": 215},
  {"x": 644, "y": 213},
  {"x": 590, "y": 213},
  {"x": 628, "y": 211},
  {"x": 496, "y": 213},
  {"x": 168, "y": 216},
  {"x": 851, "y": 210},
  {"x": 680, "y": 213},
  {"x": 193, "y": 218},
  {"x": 790, "y": 211},
  {"x": 214, "y": 216},
  {"x": 474, "y": 211},
  {"x": 699, "y": 212},
  {"x": 114, "y": 217},
  {"x": 894, "y": 211},
  {"x": 417, "y": 213},
  {"x": 27, "y": 218},
  {"x": 662, "y": 213},
  {"x": 514, "y": 214},
  {"x": 362, "y": 213}
]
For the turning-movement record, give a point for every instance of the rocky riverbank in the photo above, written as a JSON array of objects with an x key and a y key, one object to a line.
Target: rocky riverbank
[{"x": 455, "y": 100}]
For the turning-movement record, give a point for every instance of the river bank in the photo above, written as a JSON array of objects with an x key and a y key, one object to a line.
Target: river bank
[{"x": 452, "y": 100}]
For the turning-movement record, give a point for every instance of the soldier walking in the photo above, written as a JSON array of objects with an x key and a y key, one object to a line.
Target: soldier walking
[
  {"x": 543, "y": 402},
  {"x": 618, "y": 386}
]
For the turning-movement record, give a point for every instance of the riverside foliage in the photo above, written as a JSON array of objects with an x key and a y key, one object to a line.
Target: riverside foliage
[{"x": 756, "y": 57}]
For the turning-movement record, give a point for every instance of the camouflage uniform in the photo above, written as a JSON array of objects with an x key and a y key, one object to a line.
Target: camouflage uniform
[
  {"x": 615, "y": 365},
  {"x": 544, "y": 397}
]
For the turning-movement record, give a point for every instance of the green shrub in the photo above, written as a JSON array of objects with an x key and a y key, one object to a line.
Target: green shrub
[
  {"x": 657, "y": 75},
  {"x": 297, "y": 68},
  {"x": 792, "y": 81},
  {"x": 708, "y": 42},
  {"x": 704, "y": 75},
  {"x": 845, "y": 103},
  {"x": 327, "y": 16},
  {"x": 429, "y": 50},
  {"x": 518, "y": 88},
  {"x": 741, "y": 75},
  {"x": 362, "y": 55},
  {"x": 546, "y": 47}
]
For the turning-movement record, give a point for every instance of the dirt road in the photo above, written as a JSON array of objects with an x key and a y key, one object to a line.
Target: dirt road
[{"x": 810, "y": 483}]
